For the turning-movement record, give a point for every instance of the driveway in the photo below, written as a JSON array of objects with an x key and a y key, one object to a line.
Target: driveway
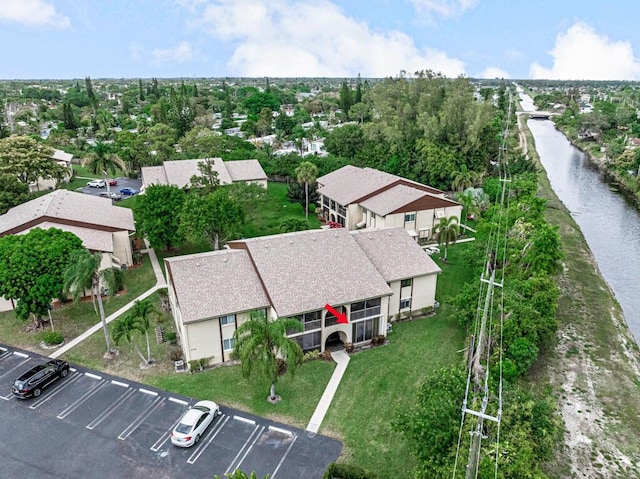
[{"x": 91, "y": 425}]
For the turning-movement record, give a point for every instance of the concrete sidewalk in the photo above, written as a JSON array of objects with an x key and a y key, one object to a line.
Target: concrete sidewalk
[
  {"x": 160, "y": 283},
  {"x": 342, "y": 360}
]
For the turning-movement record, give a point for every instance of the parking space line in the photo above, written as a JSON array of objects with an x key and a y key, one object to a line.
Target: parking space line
[
  {"x": 94, "y": 376},
  {"x": 53, "y": 394},
  {"x": 5, "y": 354},
  {"x": 143, "y": 415},
  {"x": 102, "y": 416},
  {"x": 22, "y": 355},
  {"x": 231, "y": 467},
  {"x": 165, "y": 436},
  {"x": 94, "y": 389},
  {"x": 17, "y": 366},
  {"x": 179, "y": 401},
  {"x": 209, "y": 439},
  {"x": 7, "y": 397},
  {"x": 283, "y": 431},
  {"x": 295, "y": 437},
  {"x": 244, "y": 419},
  {"x": 118, "y": 383},
  {"x": 146, "y": 391}
]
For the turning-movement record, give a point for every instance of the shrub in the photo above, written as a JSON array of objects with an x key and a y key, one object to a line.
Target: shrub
[
  {"x": 204, "y": 362},
  {"x": 378, "y": 340},
  {"x": 175, "y": 354},
  {"x": 171, "y": 336},
  {"x": 346, "y": 471},
  {"x": 326, "y": 355},
  {"x": 348, "y": 347},
  {"x": 311, "y": 355},
  {"x": 51, "y": 338},
  {"x": 194, "y": 365}
]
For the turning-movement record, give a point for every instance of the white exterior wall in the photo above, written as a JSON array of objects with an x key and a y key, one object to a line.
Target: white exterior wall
[
  {"x": 203, "y": 338},
  {"x": 122, "y": 247},
  {"x": 354, "y": 216},
  {"x": 422, "y": 293}
]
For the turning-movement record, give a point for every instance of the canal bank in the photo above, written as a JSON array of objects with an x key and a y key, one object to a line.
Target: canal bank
[{"x": 594, "y": 368}]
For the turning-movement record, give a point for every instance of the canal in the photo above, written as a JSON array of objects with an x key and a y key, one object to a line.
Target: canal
[{"x": 609, "y": 224}]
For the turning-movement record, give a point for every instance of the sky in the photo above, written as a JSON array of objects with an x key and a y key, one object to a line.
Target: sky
[{"x": 511, "y": 39}]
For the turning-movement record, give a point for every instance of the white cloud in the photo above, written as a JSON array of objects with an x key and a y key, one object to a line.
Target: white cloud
[
  {"x": 445, "y": 8},
  {"x": 493, "y": 72},
  {"x": 33, "y": 13},
  {"x": 582, "y": 54},
  {"x": 182, "y": 52},
  {"x": 313, "y": 38}
]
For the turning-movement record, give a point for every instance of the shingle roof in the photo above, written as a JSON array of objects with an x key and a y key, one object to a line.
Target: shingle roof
[
  {"x": 350, "y": 183},
  {"x": 69, "y": 206},
  {"x": 303, "y": 271},
  {"x": 394, "y": 253},
  {"x": 214, "y": 284},
  {"x": 245, "y": 170},
  {"x": 92, "y": 239},
  {"x": 179, "y": 172},
  {"x": 60, "y": 155},
  {"x": 390, "y": 200}
]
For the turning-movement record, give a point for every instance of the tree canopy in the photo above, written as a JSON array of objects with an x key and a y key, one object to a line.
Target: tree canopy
[{"x": 157, "y": 214}]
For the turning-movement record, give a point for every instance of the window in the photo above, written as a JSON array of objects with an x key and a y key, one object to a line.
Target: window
[
  {"x": 309, "y": 340},
  {"x": 228, "y": 344},
  {"x": 405, "y": 303},
  {"x": 362, "y": 331},
  {"x": 409, "y": 217},
  {"x": 342, "y": 210},
  {"x": 365, "y": 309},
  {"x": 373, "y": 215},
  {"x": 325, "y": 201},
  {"x": 310, "y": 321},
  {"x": 330, "y": 319},
  {"x": 405, "y": 282},
  {"x": 228, "y": 319},
  {"x": 440, "y": 214}
]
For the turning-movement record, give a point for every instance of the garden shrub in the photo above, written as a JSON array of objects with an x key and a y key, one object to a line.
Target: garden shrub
[
  {"x": 311, "y": 355},
  {"x": 51, "y": 338},
  {"x": 175, "y": 354},
  {"x": 346, "y": 471}
]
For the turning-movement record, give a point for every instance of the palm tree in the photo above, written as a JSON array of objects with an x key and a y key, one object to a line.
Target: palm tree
[
  {"x": 468, "y": 207},
  {"x": 264, "y": 344},
  {"x": 143, "y": 311},
  {"x": 125, "y": 328},
  {"x": 102, "y": 161},
  {"x": 447, "y": 232},
  {"x": 84, "y": 273},
  {"x": 306, "y": 173},
  {"x": 464, "y": 178}
]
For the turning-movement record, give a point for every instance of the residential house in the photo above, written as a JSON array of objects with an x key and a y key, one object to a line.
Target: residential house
[
  {"x": 179, "y": 173},
  {"x": 359, "y": 198},
  {"x": 63, "y": 159},
  {"x": 373, "y": 276},
  {"x": 102, "y": 227}
]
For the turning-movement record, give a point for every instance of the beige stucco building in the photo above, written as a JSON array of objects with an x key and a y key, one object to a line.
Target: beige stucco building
[
  {"x": 371, "y": 275},
  {"x": 102, "y": 227},
  {"x": 64, "y": 160},
  {"x": 359, "y": 198}
]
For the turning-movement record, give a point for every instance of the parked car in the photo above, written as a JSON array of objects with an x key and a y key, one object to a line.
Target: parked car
[
  {"x": 432, "y": 249},
  {"x": 97, "y": 184},
  {"x": 114, "y": 196},
  {"x": 32, "y": 382},
  {"x": 129, "y": 191},
  {"x": 113, "y": 182},
  {"x": 193, "y": 423}
]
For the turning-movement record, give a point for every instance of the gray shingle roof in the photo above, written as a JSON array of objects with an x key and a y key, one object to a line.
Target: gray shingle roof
[
  {"x": 154, "y": 175},
  {"x": 303, "y": 271},
  {"x": 245, "y": 170},
  {"x": 179, "y": 172},
  {"x": 94, "y": 240},
  {"x": 350, "y": 183},
  {"x": 390, "y": 200},
  {"x": 394, "y": 253},
  {"x": 214, "y": 284},
  {"x": 69, "y": 206}
]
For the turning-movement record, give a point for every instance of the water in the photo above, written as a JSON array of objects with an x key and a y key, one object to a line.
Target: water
[{"x": 609, "y": 224}]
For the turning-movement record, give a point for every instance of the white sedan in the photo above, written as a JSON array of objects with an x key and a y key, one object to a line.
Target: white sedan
[
  {"x": 97, "y": 184},
  {"x": 193, "y": 423}
]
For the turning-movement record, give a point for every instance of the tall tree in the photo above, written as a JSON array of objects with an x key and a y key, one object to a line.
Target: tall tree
[
  {"x": 346, "y": 98},
  {"x": 12, "y": 192},
  {"x": 464, "y": 178},
  {"x": 84, "y": 273},
  {"x": 447, "y": 232},
  {"x": 207, "y": 181},
  {"x": 68, "y": 117},
  {"x": 126, "y": 328},
  {"x": 263, "y": 344},
  {"x": 101, "y": 160},
  {"x": 214, "y": 216},
  {"x": 181, "y": 110},
  {"x": 143, "y": 311},
  {"x": 140, "y": 90},
  {"x": 306, "y": 173},
  {"x": 32, "y": 268},
  {"x": 27, "y": 159},
  {"x": 156, "y": 215}
]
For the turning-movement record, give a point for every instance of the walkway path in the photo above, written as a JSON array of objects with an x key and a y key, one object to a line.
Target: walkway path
[
  {"x": 342, "y": 360},
  {"x": 161, "y": 283}
]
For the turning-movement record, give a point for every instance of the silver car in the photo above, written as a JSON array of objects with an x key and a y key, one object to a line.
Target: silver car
[{"x": 193, "y": 423}]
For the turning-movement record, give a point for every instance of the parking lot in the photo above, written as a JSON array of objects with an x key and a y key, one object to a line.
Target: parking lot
[
  {"x": 123, "y": 182},
  {"x": 90, "y": 425}
]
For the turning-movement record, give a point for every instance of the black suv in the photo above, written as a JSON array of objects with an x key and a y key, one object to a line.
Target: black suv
[{"x": 32, "y": 382}]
